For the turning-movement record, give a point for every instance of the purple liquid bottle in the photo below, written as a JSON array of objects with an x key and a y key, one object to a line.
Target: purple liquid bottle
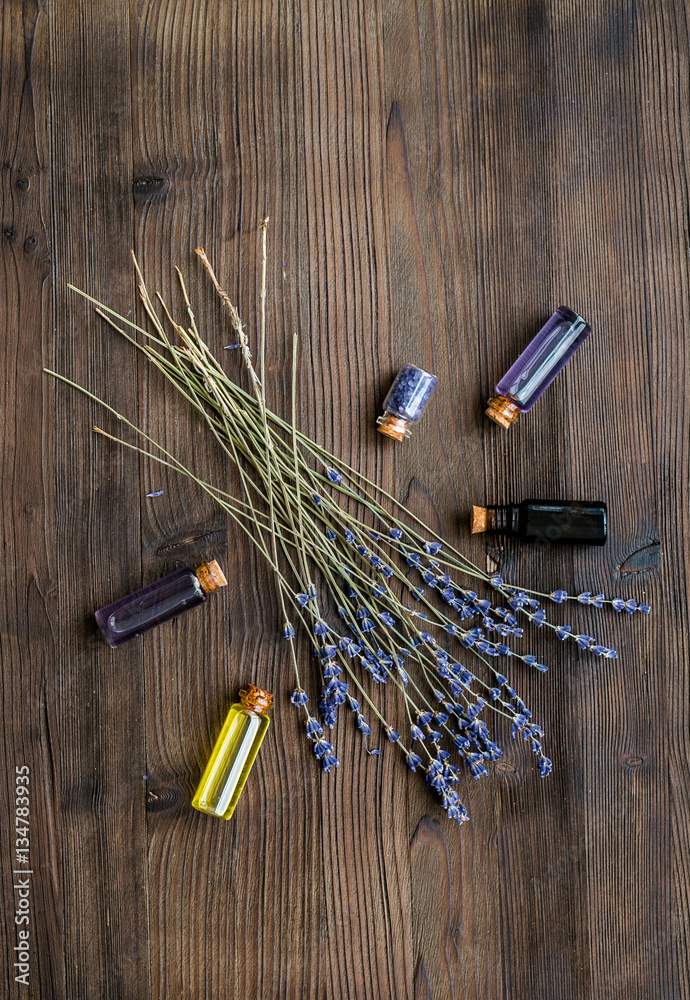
[
  {"x": 537, "y": 366},
  {"x": 159, "y": 602},
  {"x": 406, "y": 401}
]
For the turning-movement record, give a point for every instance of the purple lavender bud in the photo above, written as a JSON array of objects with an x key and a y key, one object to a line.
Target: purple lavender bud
[
  {"x": 334, "y": 476},
  {"x": 585, "y": 598},
  {"x": 461, "y": 744},
  {"x": 545, "y": 766},
  {"x": 563, "y": 631},
  {"x": 363, "y": 725},
  {"x": 413, "y": 761},
  {"x": 476, "y": 765},
  {"x": 395, "y": 533},
  {"x": 328, "y": 761},
  {"x": 431, "y": 548},
  {"x": 337, "y": 691},
  {"x": 314, "y": 727},
  {"x": 288, "y": 631},
  {"x": 322, "y": 747},
  {"x": 299, "y": 697},
  {"x": 558, "y": 596},
  {"x": 458, "y": 813}
]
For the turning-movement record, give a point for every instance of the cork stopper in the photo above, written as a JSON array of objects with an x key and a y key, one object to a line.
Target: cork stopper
[
  {"x": 393, "y": 427},
  {"x": 478, "y": 520},
  {"x": 256, "y": 699},
  {"x": 502, "y": 411},
  {"x": 211, "y": 576}
]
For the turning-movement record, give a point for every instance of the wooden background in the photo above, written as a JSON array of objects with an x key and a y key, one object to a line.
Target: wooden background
[{"x": 439, "y": 177}]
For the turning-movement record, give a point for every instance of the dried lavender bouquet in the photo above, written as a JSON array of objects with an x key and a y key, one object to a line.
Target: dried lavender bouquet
[{"x": 394, "y": 605}]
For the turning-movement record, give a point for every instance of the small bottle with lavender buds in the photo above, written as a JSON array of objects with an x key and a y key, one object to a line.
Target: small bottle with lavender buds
[
  {"x": 159, "y": 602},
  {"x": 537, "y": 366},
  {"x": 406, "y": 400}
]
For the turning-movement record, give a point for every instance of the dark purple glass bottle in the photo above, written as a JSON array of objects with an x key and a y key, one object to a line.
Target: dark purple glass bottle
[
  {"x": 406, "y": 401},
  {"x": 537, "y": 366},
  {"x": 159, "y": 602}
]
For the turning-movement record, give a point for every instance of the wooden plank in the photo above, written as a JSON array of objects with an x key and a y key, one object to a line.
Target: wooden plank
[
  {"x": 29, "y": 598},
  {"x": 99, "y": 691}
]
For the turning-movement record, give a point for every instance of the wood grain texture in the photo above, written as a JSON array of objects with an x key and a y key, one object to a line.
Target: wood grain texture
[{"x": 439, "y": 176}]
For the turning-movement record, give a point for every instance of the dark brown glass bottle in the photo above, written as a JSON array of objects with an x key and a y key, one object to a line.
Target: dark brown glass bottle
[{"x": 552, "y": 521}]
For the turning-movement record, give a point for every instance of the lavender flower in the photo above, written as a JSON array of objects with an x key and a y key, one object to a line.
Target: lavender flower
[{"x": 327, "y": 528}]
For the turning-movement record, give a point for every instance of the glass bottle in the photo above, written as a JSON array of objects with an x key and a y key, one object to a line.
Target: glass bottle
[
  {"x": 537, "y": 366},
  {"x": 234, "y": 753},
  {"x": 545, "y": 521},
  {"x": 406, "y": 401},
  {"x": 159, "y": 602}
]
